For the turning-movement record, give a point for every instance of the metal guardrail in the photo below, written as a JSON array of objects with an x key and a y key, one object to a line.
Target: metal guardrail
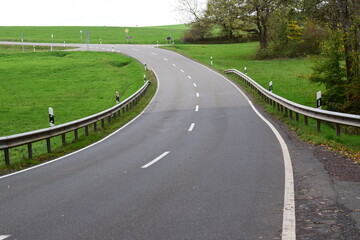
[
  {"x": 285, "y": 105},
  {"x": 47, "y": 133}
]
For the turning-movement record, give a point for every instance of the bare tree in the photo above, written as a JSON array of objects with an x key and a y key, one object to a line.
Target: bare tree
[{"x": 190, "y": 10}]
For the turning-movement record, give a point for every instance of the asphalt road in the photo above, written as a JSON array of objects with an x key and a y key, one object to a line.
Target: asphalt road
[{"x": 199, "y": 163}]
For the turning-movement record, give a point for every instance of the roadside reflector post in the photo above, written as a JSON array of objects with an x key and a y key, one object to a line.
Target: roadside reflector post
[
  {"x": 318, "y": 99},
  {"x": 34, "y": 48},
  {"x": 144, "y": 78},
  {"x": 100, "y": 41},
  {"x": 51, "y": 117},
  {"x": 271, "y": 86},
  {"x": 52, "y": 41},
  {"x": 117, "y": 97},
  {"x": 245, "y": 70},
  {"x": 211, "y": 61}
]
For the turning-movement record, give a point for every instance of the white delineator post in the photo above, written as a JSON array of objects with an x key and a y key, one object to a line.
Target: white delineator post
[
  {"x": 318, "y": 99},
  {"x": 270, "y": 86},
  {"x": 51, "y": 117}
]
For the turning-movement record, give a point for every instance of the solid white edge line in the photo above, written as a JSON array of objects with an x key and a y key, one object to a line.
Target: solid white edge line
[
  {"x": 196, "y": 108},
  {"x": 2, "y": 237},
  {"x": 80, "y": 150},
  {"x": 289, "y": 221},
  {"x": 191, "y": 127},
  {"x": 155, "y": 160}
]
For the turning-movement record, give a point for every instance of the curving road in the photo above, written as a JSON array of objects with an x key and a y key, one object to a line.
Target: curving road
[{"x": 199, "y": 163}]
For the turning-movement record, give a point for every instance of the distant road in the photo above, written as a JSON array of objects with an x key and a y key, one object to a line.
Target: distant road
[{"x": 199, "y": 163}]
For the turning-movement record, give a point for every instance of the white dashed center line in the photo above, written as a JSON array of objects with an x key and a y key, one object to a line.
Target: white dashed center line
[
  {"x": 197, "y": 94},
  {"x": 191, "y": 127},
  {"x": 194, "y": 84},
  {"x": 189, "y": 77},
  {"x": 153, "y": 53},
  {"x": 155, "y": 160},
  {"x": 174, "y": 64},
  {"x": 181, "y": 70},
  {"x": 2, "y": 237},
  {"x": 165, "y": 59},
  {"x": 197, "y": 108}
]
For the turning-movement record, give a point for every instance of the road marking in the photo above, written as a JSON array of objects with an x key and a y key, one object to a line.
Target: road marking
[
  {"x": 194, "y": 84},
  {"x": 197, "y": 108},
  {"x": 2, "y": 237},
  {"x": 189, "y": 77},
  {"x": 155, "y": 160},
  {"x": 135, "y": 49},
  {"x": 165, "y": 59},
  {"x": 191, "y": 127},
  {"x": 289, "y": 222},
  {"x": 197, "y": 94},
  {"x": 174, "y": 64},
  {"x": 154, "y": 53},
  {"x": 181, "y": 70}
]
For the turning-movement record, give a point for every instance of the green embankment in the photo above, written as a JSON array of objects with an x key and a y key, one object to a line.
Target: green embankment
[{"x": 75, "y": 84}]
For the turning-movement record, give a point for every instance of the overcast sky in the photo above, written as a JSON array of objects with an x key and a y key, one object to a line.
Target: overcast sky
[{"x": 88, "y": 13}]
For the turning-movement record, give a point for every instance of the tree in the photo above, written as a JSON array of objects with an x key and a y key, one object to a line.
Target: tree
[
  {"x": 225, "y": 14},
  {"x": 190, "y": 10}
]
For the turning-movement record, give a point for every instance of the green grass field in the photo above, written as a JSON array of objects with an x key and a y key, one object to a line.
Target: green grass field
[
  {"x": 75, "y": 84},
  {"x": 108, "y": 35}
]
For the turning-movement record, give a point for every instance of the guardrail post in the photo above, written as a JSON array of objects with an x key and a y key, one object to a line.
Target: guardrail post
[
  {"x": 297, "y": 116},
  {"x": 95, "y": 127},
  {"x": 306, "y": 122},
  {"x": 109, "y": 119},
  {"x": 7, "y": 156},
  {"x": 30, "y": 154},
  {"x": 318, "y": 124},
  {"x": 102, "y": 123},
  {"x": 48, "y": 145},
  {"x": 76, "y": 135},
  {"x": 338, "y": 129},
  {"x": 86, "y": 130},
  {"x": 63, "y": 139},
  {"x": 291, "y": 114}
]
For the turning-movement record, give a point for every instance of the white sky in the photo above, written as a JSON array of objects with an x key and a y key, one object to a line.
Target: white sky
[{"x": 88, "y": 13}]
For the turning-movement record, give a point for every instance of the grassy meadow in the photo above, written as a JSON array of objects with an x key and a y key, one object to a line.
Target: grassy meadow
[
  {"x": 108, "y": 35},
  {"x": 75, "y": 84}
]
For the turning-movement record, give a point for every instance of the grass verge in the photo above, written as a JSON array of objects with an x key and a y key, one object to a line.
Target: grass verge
[
  {"x": 19, "y": 159},
  {"x": 65, "y": 81}
]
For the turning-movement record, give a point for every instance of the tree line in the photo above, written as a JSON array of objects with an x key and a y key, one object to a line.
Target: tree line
[{"x": 328, "y": 29}]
